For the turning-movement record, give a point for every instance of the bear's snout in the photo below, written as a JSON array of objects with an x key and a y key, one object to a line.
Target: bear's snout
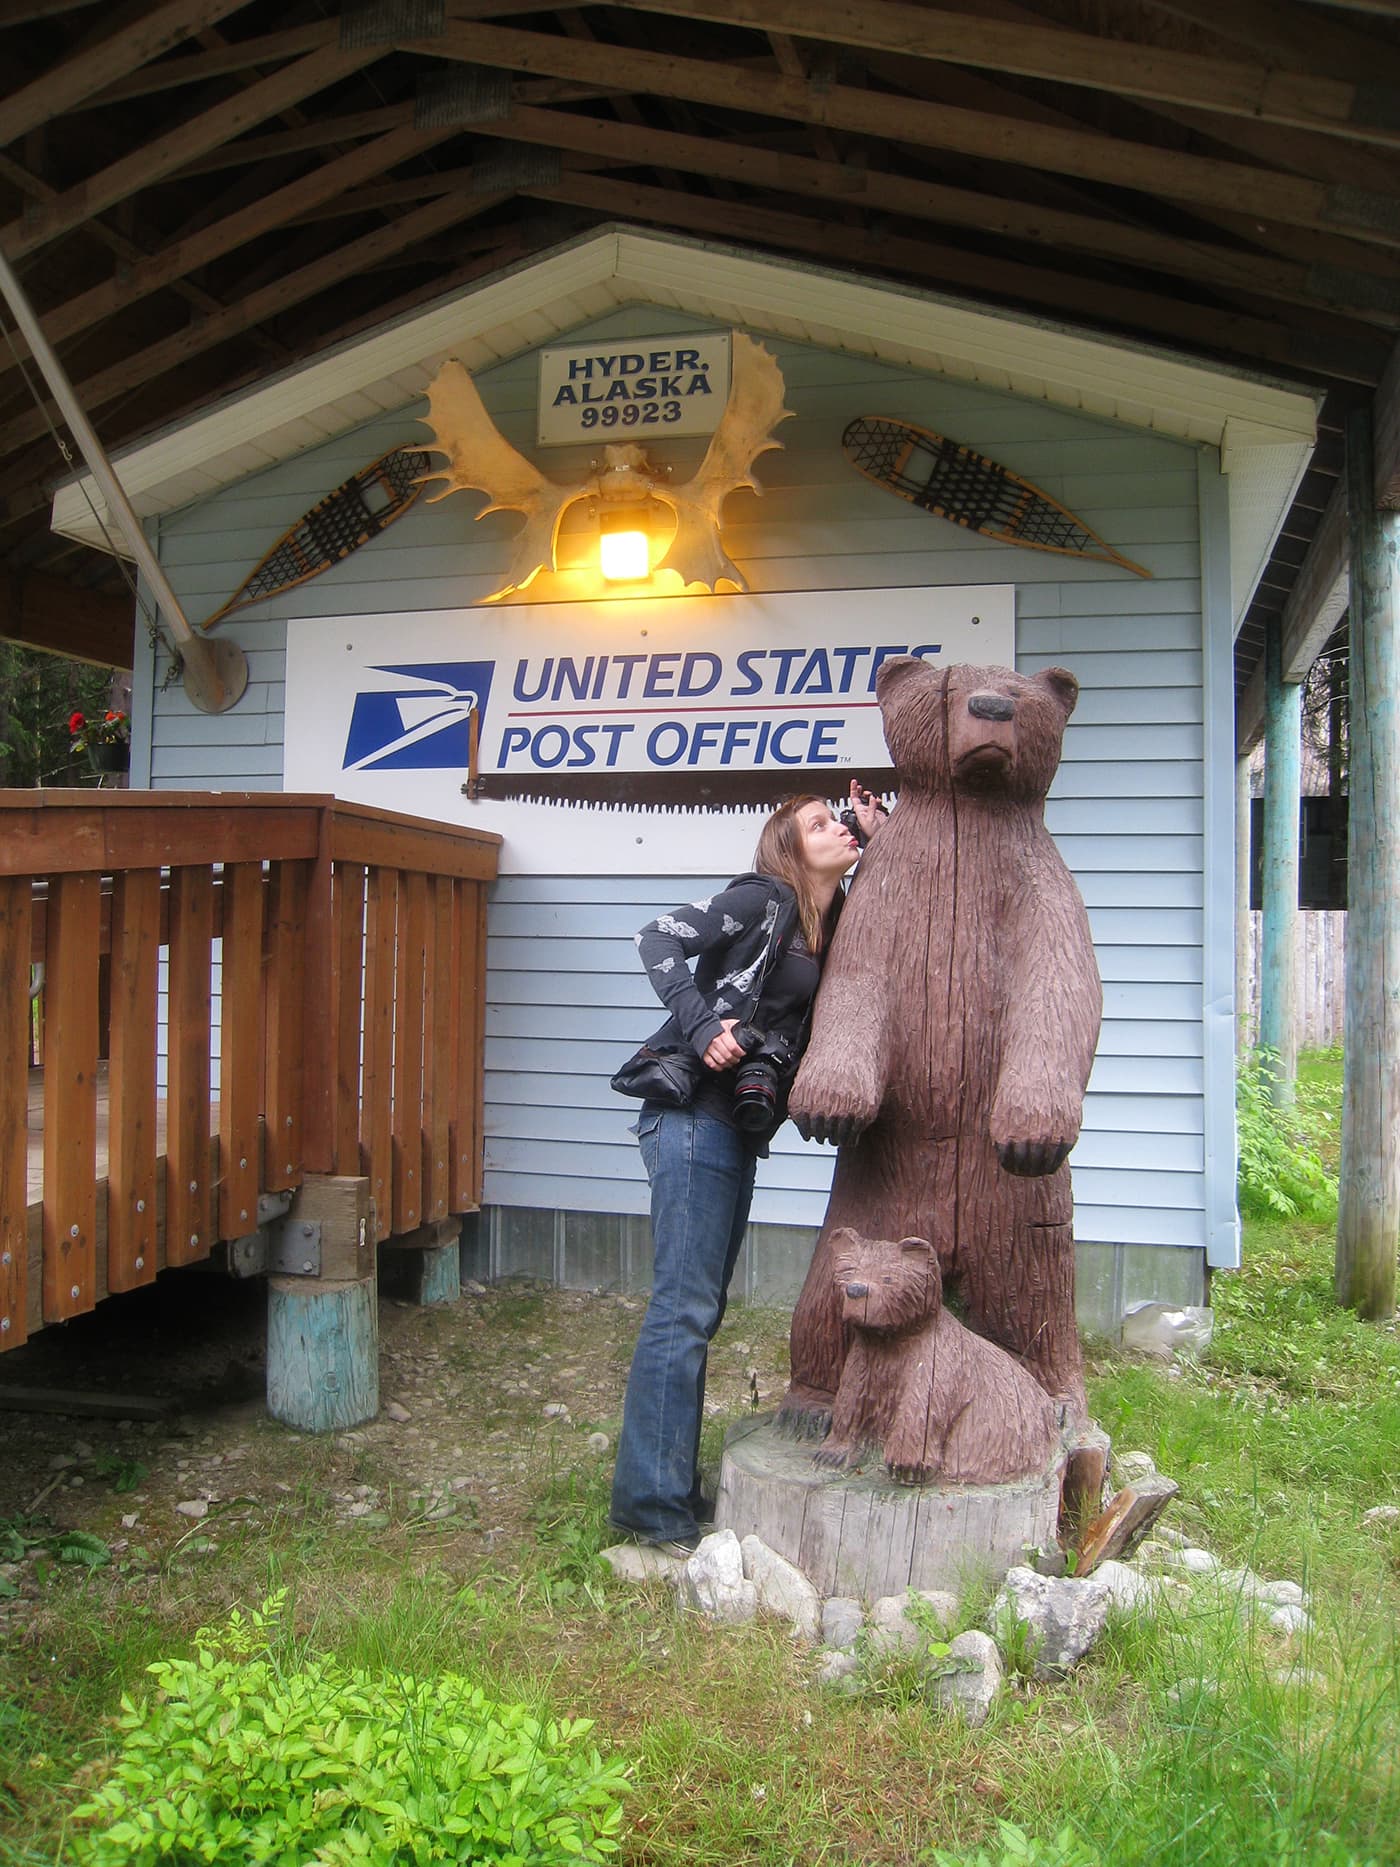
[
  {"x": 991, "y": 706},
  {"x": 857, "y": 1290}
]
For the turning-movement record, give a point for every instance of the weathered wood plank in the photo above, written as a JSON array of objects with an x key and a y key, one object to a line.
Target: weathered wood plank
[
  {"x": 348, "y": 920},
  {"x": 189, "y": 1225},
  {"x": 240, "y": 1043},
  {"x": 70, "y": 1098},
  {"x": 131, "y": 1149},
  {"x": 288, "y": 1027},
  {"x": 438, "y": 1085},
  {"x": 376, "y": 1109},
  {"x": 408, "y": 1053},
  {"x": 14, "y": 1098}
]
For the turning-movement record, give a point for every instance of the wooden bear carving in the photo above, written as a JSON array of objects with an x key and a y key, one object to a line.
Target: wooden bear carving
[
  {"x": 932, "y": 1398},
  {"x": 954, "y": 1030}
]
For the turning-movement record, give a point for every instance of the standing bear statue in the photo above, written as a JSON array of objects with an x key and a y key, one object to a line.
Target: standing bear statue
[{"x": 953, "y": 1036}]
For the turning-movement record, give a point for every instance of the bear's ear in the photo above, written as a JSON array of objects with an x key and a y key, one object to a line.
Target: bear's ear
[
  {"x": 895, "y": 672},
  {"x": 1062, "y": 685},
  {"x": 916, "y": 1247}
]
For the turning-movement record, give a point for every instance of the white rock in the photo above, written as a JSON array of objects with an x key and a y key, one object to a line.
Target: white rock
[
  {"x": 973, "y": 1687},
  {"x": 838, "y": 1670},
  {"x": 1290, "y": 1619},
  {"x": 61, "y": 1461},
  {"x": 1130, "y": 1467},
  {"x": 842, "y": 1619},
  {"x": 1280, "y": 1594},
  {"x": 1177, "y": 1538},
  {"x": 782, "y": 1588},
  {"x": 598, "y": 1443},
  {"x": 130, "y": 1522},
  {"x": 1189, "y": 1692},
  {"x": 1128, "y": 1587},
  {"x": 1195, "y": 1561},
  {"x": 1167, "y": 1329},
  {"x": 890, "y": 1628},
  {"x": 556, "y": 1410},
  {"x": 712, "y": 1581},
  {"x": 1382, "y": 1513},
  {"x": 639, "y": 1562},
  {"x": 1065, "y": 1615},
  {"x": 944, "y": 1606},
  {"x": 394, "y": 1410},
  {"x": 195, "y": 1507}
]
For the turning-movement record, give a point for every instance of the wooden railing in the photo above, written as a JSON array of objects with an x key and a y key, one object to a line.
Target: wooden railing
[{"x": 350, "y": 980}]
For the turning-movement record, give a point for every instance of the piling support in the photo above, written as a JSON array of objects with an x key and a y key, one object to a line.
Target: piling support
[{"x": 1283, "y": 713}]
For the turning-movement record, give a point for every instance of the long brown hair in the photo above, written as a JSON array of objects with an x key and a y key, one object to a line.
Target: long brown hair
[{"x": 779, "y": 853}]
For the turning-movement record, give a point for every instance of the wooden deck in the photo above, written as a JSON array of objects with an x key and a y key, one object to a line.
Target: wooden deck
[{"x": 345, "y": 950}]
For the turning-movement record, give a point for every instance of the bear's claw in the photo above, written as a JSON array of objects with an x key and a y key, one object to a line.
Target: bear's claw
[{"x": 1032, "y": 1159}]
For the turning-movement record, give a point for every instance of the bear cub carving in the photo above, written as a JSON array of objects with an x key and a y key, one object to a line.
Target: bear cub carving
[{"x": 935, "y": 1399}]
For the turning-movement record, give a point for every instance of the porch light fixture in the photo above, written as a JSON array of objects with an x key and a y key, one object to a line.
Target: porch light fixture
[{"x": 624, "y": 546}]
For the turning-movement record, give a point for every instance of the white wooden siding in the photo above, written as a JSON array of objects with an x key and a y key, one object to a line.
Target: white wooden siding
[{"x": 566, "y": 998}]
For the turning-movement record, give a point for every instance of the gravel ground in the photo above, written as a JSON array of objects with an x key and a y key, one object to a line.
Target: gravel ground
[{"x": 480, "y": 1403}]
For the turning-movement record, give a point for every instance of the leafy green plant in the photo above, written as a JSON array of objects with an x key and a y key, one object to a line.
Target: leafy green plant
[
  {"x": 241, "y": 1757},
  {"x": 1281, "y": 1173},
  {"x": 1018, "y": 1849},
  {"x": 125, "y": 1474}
]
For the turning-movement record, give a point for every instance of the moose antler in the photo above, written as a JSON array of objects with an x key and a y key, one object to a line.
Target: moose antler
[
  {"x": 480, "y": 459},
  {"x": 754, "y": 408}
]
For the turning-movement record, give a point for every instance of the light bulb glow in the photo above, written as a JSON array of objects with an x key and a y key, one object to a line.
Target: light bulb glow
[{"x": 624, "y": 557}]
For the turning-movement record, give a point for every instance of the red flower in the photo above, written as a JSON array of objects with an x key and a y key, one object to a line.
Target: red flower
[
  {"x": 114, "y": 716},
  {"x": 76, "y": 724}
]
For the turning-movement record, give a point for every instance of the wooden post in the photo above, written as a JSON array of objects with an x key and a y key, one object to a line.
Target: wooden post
[
  {"x": 1244, "y": 1023},
  {"x": 1283, "y": 704},
  {"x": 1368, "y": 1218},
  {"x": 323, "y": 1332}
]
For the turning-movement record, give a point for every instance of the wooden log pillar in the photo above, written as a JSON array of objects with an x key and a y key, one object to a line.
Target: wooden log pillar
[
  {"x": 1244, "y": 1021},
  {"x": 323, "y": 1330},
  {"x": 1368, "y": 1218},
  {"x": 1278, "y": 995},
  {"x": 322, "y": 1352}
]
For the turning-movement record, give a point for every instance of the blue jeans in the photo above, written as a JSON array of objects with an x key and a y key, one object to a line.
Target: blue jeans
[{"x": 701, "y": 1173}]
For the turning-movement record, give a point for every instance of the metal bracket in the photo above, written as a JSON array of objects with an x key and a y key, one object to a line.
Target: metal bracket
[
  {"x": 273, "y": 1206},
  {"x": 295, "y": 1248},
  {"x": 247, "y": 1257}
]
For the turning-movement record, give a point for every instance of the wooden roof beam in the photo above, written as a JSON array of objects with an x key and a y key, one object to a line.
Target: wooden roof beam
[
  {"x": 171, "y": 151},
  {"x": 1121, "y": 163},
  {"x": 1226, "y": 267},
  {"x": 345, "y": 177},
  {"x": 1296, "y": 35},
  {"x": 1086, "y": 300},
  {"x": 68, "y": 84},
  {"x": 45, "y": 612},
  {"x": 237, "y": 319},
  {"x": 1155, "y": 74}
]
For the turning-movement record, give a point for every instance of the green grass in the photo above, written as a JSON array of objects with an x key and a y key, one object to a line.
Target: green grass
[{"x": 1203, "y": 1740}]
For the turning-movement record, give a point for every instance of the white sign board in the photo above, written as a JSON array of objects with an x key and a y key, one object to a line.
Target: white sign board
[
  {"x": 579, "y": 705},
  {"x": 637, "y": 390}
]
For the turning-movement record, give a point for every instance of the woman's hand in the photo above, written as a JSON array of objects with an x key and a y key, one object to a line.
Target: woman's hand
[
  {"x": 723, "y": 1053},
  {"x": 869, "y": 811}
]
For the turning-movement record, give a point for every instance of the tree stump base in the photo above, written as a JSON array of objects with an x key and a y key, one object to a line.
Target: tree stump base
[{"x": 860, "y": 1533}]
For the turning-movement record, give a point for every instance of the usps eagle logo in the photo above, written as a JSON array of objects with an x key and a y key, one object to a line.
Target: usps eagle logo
[{"x": 422, "y": 727}]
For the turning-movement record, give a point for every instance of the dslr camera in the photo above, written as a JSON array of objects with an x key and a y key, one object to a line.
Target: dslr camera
[{"x": 769, "y": 1062}]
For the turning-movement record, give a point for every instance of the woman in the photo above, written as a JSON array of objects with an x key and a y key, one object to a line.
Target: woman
[{"x": 767, "y": 931}]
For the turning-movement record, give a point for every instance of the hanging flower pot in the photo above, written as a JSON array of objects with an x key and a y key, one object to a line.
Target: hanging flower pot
[{"x": 110, "y": 758}]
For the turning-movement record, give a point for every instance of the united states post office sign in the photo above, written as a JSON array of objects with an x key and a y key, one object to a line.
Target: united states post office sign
[
  {"x": 645, "y": 387},
  {"x": 597, "y": 723}
]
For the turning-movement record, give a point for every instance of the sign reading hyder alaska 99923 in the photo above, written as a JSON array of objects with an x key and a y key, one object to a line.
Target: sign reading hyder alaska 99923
[{"x": 633, "y": 389}]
